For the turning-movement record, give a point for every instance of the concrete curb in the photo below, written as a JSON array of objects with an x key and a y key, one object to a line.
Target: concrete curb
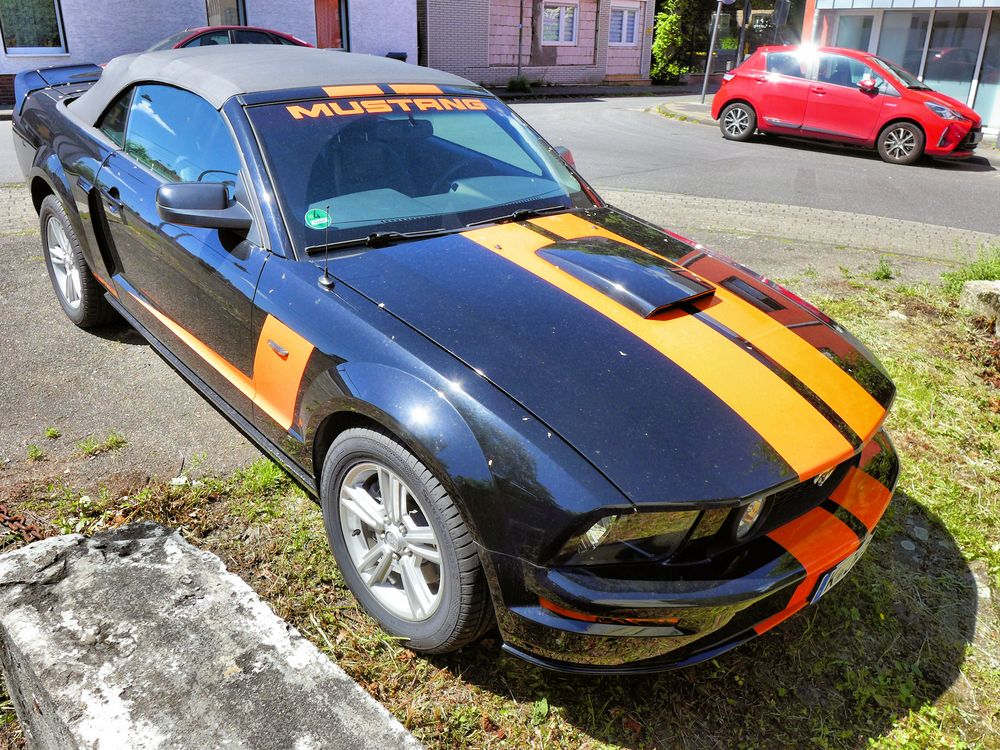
[
  {"x": 988, "y": 151},
  {"x": 134, "y": 638}
]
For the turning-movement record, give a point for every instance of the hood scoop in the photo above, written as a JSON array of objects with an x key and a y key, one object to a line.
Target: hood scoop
[{"x": 642, "y": 282}]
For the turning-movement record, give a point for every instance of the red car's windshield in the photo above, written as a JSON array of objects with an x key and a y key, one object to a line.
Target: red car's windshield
[{"x": 905, "y": 77}]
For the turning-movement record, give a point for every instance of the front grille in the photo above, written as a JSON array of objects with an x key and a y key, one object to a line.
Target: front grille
[{"x": 971, "y": 140}]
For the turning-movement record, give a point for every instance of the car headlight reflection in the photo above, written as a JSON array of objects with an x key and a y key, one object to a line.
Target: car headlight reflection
[{"x": 629, "y": 537}]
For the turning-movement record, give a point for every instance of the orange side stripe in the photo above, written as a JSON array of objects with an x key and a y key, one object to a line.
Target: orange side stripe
[
  {"x": 859, "y": 410},
  {"x": 275, "y": 385},
  {"x": 818, "y": 540},
  {"x": 414, "y": 88},
  {"x": 199, "y": 347},
  {"x": 757, "y": 395},
  {"x": 277, "y": 377},
  {"x": 335, "y": 92},
  {"x": 863, "y": 496}
]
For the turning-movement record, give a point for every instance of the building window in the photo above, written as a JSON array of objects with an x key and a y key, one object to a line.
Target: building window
[
  {"x": 559, "y": 24},
  {"x": 31, "y": 27},
  {"x": 622, "y": 28},
  {"x": 226, "y": 12}
]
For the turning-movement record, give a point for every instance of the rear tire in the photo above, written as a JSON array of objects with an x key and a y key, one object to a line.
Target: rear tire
[
  {"x": 737, "y": 121},
  {"x": 900, "y": 143},
  {"x": 412, "y": 565},
  {"x": 80, "y": 295}
]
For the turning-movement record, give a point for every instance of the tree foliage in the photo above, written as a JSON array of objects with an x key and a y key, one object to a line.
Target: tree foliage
[{"x": 673, "y": 18}]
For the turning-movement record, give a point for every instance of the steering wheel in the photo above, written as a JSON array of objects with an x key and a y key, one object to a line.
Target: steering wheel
[{"x": 445, "y": 180}]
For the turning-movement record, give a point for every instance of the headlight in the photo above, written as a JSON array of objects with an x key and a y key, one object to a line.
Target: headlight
[
  {"x": 630, "y": 537},
  {"x": 748, "y": 517},
  {"x": 941, "y": 111}
]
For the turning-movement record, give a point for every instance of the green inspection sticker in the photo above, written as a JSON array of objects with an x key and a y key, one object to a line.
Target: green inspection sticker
[{"x": 317, "y": 218}]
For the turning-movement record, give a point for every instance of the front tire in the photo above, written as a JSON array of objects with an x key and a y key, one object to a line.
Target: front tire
[
  {"x": 737, "y": 121},
  {"x": 79, "y": 294},
  {"x": 900, "y": 143},
  {"x": 401, "y": 544}
]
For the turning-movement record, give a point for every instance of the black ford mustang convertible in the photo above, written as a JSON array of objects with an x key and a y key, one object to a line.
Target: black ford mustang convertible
[{"x": 515, "y": 403}]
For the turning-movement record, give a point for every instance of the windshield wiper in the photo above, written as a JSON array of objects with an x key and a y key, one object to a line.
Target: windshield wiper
[
  {"x": 381, "y": 239},
  {"x": 523, "y": 214}
]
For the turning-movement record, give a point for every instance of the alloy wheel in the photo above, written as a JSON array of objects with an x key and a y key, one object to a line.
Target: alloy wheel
[
  {"x": 391, "y": 541},
  {"x": 737, "y": 121},
  {"x": 899, "y": 143},
  {"x": 64, "y": 265}
]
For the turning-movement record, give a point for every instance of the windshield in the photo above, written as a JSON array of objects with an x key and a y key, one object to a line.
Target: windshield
[
  {"x": 347, "y": 168},
  {"x": 170, "y": 41},
  {"x": 905, "y": 77}
]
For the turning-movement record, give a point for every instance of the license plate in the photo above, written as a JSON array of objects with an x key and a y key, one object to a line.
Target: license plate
[{"x": 836, "y": 574}]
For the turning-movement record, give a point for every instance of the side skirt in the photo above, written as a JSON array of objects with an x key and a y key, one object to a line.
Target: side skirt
[{"x": 237, "y": 420}]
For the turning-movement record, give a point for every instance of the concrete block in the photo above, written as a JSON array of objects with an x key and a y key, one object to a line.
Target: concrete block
[
  {"x": 136, "y": 639},
  {"x": 982, "y": 298}
]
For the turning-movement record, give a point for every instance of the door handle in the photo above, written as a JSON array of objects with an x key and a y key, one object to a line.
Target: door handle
[
  {"x": 760, "y": 78},
  {"x": 112, "y": 199},
  {"x": 818, "y": 90},
  {"x": 278, "y": 349}
]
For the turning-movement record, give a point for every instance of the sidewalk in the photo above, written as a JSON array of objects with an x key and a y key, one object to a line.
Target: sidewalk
[{"x": 689, "y": 108}]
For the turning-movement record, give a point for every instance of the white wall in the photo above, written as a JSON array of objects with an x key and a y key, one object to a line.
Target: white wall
[
  {"x": 295, "y": 17},
  {"x": 380, "y": 26}
]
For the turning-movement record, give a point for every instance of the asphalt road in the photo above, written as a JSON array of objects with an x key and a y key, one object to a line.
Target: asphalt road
[{"x": 617, "y": 144}]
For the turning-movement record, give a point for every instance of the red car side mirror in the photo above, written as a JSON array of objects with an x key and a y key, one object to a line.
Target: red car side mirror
[{"x": 867, "y": 85}]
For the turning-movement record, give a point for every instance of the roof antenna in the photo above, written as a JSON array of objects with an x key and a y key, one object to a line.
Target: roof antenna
[{"x": 326, "y": 280}]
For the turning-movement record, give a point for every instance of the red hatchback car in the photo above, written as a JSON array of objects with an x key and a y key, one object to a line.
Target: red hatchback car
[
  {"x": 846, "y": 96},
  {"x": 207, "y": 36}
]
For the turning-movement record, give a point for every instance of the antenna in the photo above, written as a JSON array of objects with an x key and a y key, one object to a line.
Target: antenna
[{"x": 326, "y": 280}]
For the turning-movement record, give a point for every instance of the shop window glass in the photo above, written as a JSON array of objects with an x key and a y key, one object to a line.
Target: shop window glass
[
  {"x": 31, "y": 27},
  {"x": 902, "y": 37},
  {"x": 954, "y": 47},
  {"x": 854, "y": 32},
  {"x": 988, "y": 94},
  {"x": 225, "y": 12}
]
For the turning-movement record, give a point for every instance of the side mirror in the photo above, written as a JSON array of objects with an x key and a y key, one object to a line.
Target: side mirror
[
  {"x": 867, "y": 85},
  {"x": 566, "y": 155},
  {"x": 201, "y": 204}
]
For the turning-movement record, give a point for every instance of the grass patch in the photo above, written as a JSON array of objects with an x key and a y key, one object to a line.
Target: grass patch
[
  {"x": 883, "y": 271},
  {"x": 986, "y": 267},
  {"x": 52, "y": 433},
  {"x": 887, "y": 660},
  {"x": 35, "y": 453},
  {"x": 91, "y": 446}
]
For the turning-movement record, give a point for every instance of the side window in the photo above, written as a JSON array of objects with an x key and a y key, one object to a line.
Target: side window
[
  {"x": 843, "y": 71},
  {"x": 180, "y": 136},
  {"x": 209, "y": 40},
  {"x": 245, "y": 36},
  {"x": 112, "y": 123},
  {"x": 787, "y": 64}
]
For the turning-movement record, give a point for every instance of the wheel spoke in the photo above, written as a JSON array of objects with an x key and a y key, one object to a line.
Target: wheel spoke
[
  {"x": 430, "y": 554},
  {"x": 372, "y": 556},
  {"x": 364, "y": 506},
  {"x": 421, "y": 535},
  {"x": 381, "y": 570},
  {"x": 415, "y": 587},
  {"x": 393, "y": 495},
  {"x": 57, "y": 255},
  {"x": 68, "y": 288}
]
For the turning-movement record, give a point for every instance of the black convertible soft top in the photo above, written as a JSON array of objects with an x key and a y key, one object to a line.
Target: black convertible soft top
[{"x": 221, "y": 72}]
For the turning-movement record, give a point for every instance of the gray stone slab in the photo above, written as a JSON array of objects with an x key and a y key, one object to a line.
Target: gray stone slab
[
  {"x": 136, "y": 639},
  {"x": 982, "y": 298}
]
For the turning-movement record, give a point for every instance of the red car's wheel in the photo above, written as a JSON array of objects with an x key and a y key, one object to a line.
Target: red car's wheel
[
  {"x": 738, "y": 121},
  {"x": 900, "y": 143}
]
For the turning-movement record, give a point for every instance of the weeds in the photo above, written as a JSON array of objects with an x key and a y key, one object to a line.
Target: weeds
[
  {"x": 91, "y": 447},
  {"x": 52, "y": 433},
  {"x": 985, "y": 267},
  {"x": 883, "y": 271},
  {"x": 35, "y": 453}
]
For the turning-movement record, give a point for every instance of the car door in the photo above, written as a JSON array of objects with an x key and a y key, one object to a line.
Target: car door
[
  {"x": 836, "y": 106},
  {"x": 191, "y": 287},
  {"x": 779, "y": 92}
]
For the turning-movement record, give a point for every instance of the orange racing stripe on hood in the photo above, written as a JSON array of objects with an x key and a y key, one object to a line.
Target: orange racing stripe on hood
[
  {"x": 835, "y": 387},
  {"x": 752, "y": 390}
]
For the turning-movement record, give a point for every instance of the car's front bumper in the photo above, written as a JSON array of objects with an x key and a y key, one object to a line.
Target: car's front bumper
[
  {"x": 667, "y": 616},
  {"x": 957, "y": 139}
]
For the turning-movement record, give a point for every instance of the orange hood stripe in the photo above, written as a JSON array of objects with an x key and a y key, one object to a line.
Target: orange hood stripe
[
  {"x": 842, "y": 393},
  {"x": 414, "y": 88},
  {"x": 753, "y": 391},
  {"x": 863, "y": 496},
  {"x": 276, "y": 379},
  {"x": 337, "y": 92}
]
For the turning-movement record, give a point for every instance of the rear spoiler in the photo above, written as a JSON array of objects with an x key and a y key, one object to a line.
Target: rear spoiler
[{"x": 63, "y": 75}]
